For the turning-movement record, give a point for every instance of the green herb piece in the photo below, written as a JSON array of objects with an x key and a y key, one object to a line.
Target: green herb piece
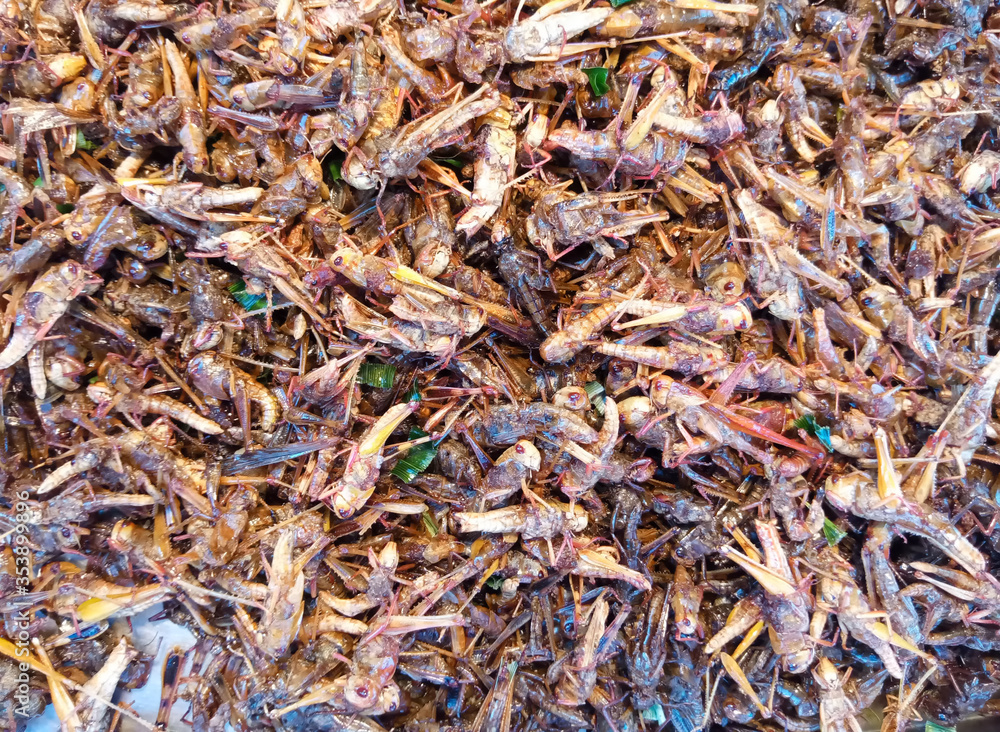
[
  {"x": 932, "y": 727},
  {"x": 598, "y": 80},
  {"x": 247, "y": 300},
  {"x": 832, "y": 532},
  {"x": 807, "y": 422},
  {"x": 82, "y": 143},
  {"x": 65, "y": 208},
  {"x": 334, "y": 167},
  {"x": 39, "y": 182},
  {"x": 494, "y": 583},
  {"x": 655, "y": 714},
  {"x": 618, "y": 4},
  {"x": 416, "y": 460},
  {"x": 429, "y": 524},
  {"x": 595, "y": 392},
  {"x": 453, "y": 162},
  {"x": 413, "y": 393},
  {"x": 379, "y": 375}
]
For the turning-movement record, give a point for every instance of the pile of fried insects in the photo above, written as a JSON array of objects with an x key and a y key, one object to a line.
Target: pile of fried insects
[{"x": 497, "y": 366}]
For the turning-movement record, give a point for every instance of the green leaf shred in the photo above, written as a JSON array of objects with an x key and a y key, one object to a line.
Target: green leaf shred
[
  {"x": 595, "y": 392},
  {"x": 808, "y": 423},
  {"x": 379, "y": 375},
  {"x": 934, "y": 727},
  {"x": 832, "y": 532},
  {"x": 416, "y": 460},
  {"x": 82, "y": 143},
  {"x": 598, "y": 80},
  {"x": 413, "y": 393},
  {"x": 429, "y": 524},
  {"x": 248, "y": 301}
]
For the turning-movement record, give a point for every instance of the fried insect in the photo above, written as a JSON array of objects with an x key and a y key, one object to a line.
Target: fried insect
[
  {"x": 500, "y": 366},
  {"x": 41, "y": 306}
]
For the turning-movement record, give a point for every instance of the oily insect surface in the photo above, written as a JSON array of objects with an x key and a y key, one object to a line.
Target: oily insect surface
[{"x": 459, "y": 366}]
